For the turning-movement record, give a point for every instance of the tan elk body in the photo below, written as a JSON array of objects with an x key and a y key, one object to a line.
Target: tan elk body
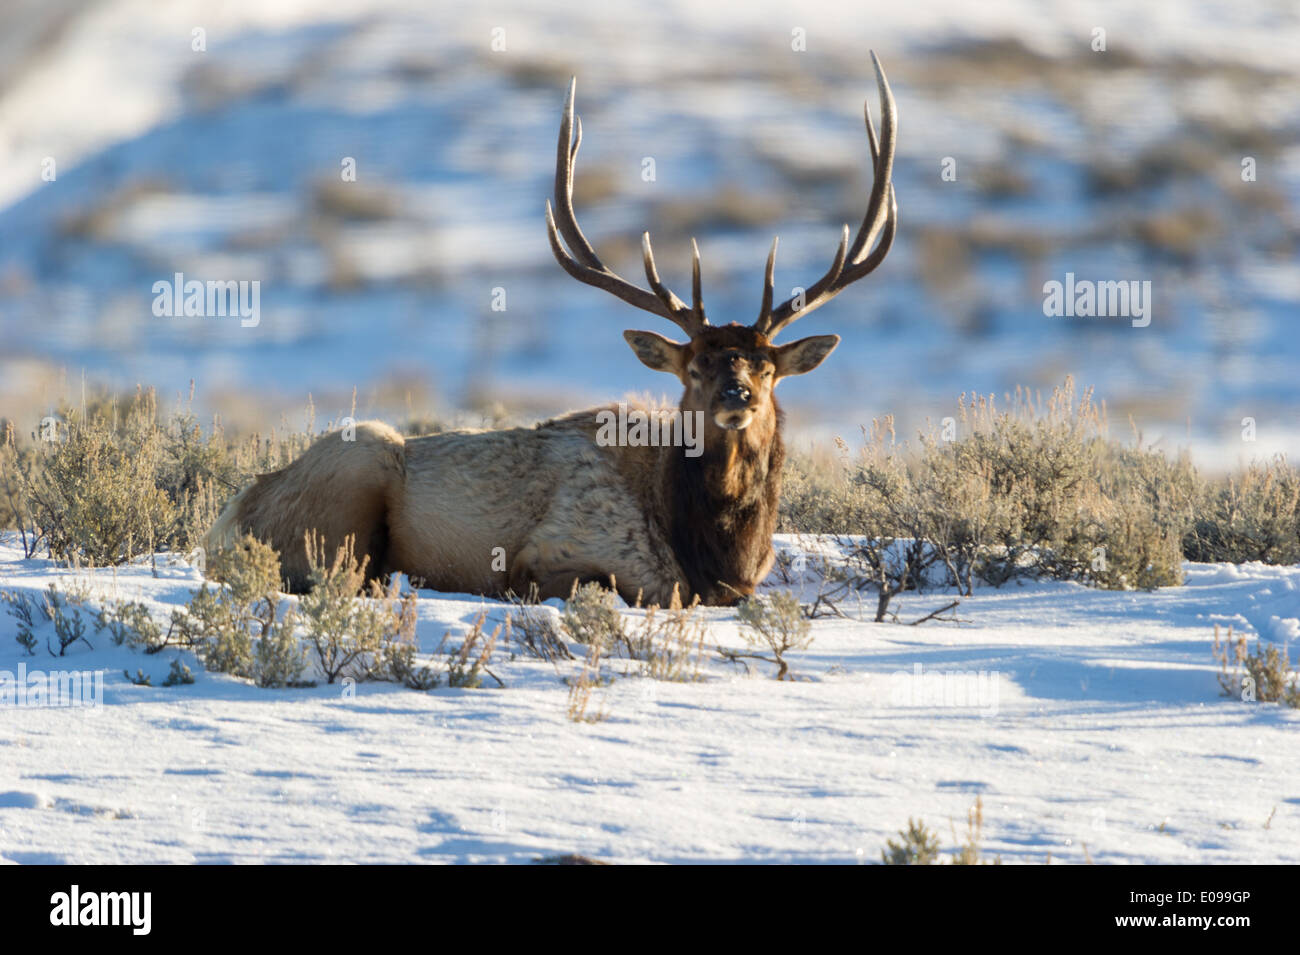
[{"x": 495, "y": 511}]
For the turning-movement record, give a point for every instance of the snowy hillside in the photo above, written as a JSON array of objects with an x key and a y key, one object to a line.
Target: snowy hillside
[
  {"x": 223, "y": 163},
  {"x": 1089, "y": 723}
]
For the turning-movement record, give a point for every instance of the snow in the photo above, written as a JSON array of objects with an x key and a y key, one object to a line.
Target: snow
[{"x": 1082, "y": 718}]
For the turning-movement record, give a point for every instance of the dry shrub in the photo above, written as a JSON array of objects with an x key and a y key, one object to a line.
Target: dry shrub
[
  {"x": 365, "y": 639},
  {"x": 112, "y": 479},
  {"x": 1037, "y": 491},
  {"x": 62, "y": 608},
  {"x": 1265, "y": 676},
  {"x": 12, "y": 500},
  {"x": 1251, "y": 516},
  {"x": 537, "y": 629},
  {"x": 590, "y": 616},
  {"x": 774, "y": 623},
  {"x": 668, "y": 644},
  {"x": 88, "y": 486},
  {"x": 916, "y": 845},
  {"x": 243, "y": 628}
]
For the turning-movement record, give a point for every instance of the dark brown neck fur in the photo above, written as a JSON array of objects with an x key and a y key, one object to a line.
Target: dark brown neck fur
[{"x": 722, "y": 509}]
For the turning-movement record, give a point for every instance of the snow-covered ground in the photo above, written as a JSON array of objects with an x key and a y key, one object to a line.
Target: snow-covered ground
[{"x": 1082, "y": 718}]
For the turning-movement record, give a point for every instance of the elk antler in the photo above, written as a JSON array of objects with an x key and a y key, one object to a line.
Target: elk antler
[
  {"x": 585, "y": 266},
  {"x": 851, "y": 263}
]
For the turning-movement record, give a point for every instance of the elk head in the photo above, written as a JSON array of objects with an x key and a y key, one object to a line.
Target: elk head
[{"x": 729, "y": 371}]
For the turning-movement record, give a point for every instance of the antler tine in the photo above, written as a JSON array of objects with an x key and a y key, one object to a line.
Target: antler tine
[
  {"x": 697, "y": 296},
  {"x": 853, "y": 262},
  {"x": 769, "y": 283},
  {"x": 882, "y": 165},
  {"x": 566, "y": 154},
  {"x": 665, "y": 294},
  {"x": 580, "y": 259},
  {"x": 773, "y": 320},
  {"x": 872, "y": 143},
  {"x": 886, "y": 238}
]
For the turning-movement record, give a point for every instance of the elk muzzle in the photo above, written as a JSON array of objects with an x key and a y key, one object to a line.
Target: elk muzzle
[{"x": 732, "y": 409}]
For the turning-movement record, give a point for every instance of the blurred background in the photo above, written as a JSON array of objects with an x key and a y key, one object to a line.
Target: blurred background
[{"x": 224, "y": 163}]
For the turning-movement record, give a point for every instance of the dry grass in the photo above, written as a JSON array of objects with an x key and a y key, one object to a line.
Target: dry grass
[
  {"x": 668, "y": 644},
  {"x": 1039, "y": 489},
  {"x": 917, "y": 845},
  {"x": 537, "y": 629},
  {"x": 468, "y": 663},
  {"x": 579, "y": 708},
  {"x": 1265, "y": 676}
]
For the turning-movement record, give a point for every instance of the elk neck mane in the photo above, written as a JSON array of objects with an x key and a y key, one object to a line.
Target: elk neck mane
[{"x": 721, "y": 508}]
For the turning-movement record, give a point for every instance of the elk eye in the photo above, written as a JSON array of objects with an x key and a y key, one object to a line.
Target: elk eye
[{"x": 693, "y": 373}]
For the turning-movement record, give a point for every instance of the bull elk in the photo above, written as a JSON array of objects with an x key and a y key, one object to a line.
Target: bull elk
[{"x": 494, "y": 511}]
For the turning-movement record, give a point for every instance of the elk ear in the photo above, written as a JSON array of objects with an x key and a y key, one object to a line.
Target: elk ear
[
  {"x": 803, "y": 356},
  {"x": 656, "y": 352}
]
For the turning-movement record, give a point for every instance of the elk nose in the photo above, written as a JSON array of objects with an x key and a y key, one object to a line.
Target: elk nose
[{"x": 735, "y": 392}]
